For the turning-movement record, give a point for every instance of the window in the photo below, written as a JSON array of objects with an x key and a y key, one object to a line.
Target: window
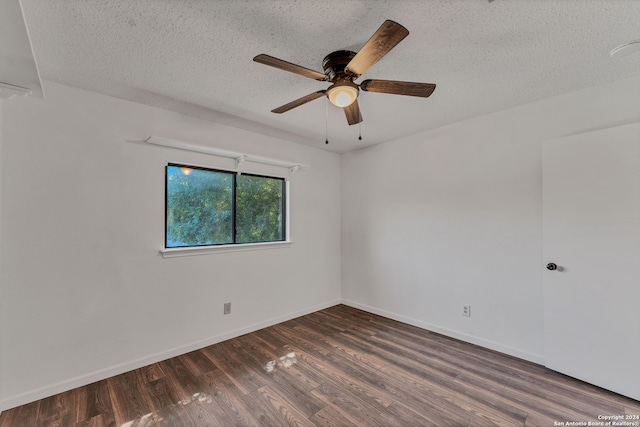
[{"x": 209, "y": 207}]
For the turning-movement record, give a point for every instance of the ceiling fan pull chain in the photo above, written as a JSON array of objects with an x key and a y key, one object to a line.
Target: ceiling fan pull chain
[
  {"x": 326, "y": 121},
  {"x": 360, "y": 131}
]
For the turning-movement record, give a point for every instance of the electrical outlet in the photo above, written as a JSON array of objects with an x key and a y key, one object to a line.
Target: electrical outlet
[
  {"x": 227, "y": 308},
  {"x": 466, "y": 310}
]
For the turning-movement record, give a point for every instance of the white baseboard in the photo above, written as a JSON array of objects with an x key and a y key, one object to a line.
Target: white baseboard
[
  {"x": 50, "y": 390},
  {"x": 531, "y": 357}
]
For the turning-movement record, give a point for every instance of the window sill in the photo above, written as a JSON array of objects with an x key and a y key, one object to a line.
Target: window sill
[{"x": 206, "y": 250}]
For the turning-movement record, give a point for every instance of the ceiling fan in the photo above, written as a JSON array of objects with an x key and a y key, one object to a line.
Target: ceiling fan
[{"x": 342, "y": 67}]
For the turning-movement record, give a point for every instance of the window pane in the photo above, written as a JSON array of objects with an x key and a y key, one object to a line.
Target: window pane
[
  {"x": 199, "y": 207},
  {"x": 259, "y": 209}
]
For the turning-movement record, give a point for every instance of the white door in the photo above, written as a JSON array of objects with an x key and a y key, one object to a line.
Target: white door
[{"x": 591, "y": 223}]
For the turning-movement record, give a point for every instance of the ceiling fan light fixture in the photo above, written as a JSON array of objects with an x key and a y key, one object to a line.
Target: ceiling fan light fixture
[{"x": 342, "y": 94}]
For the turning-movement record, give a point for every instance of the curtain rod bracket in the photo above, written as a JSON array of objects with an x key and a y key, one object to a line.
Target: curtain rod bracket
[{"x": 240, "y": 160}]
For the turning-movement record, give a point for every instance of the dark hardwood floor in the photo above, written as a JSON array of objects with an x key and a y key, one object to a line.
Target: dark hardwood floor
[{"x": 335, "y": 367}]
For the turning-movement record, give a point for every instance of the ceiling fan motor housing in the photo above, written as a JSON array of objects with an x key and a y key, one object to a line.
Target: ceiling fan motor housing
[{"x": 334, "y": 64}]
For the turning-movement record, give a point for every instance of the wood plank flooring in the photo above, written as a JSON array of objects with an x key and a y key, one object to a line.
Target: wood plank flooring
[{"x": 335, "y": 367}]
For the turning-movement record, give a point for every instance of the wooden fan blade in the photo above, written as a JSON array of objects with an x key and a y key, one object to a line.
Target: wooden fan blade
[
  {"x": 288, "y": 66},
  {"x": 298, "y": 102},
  {"x": 398, "y": 88},
  {"x": 353, "y": 113},
  {"x": 386, "y": 38}
]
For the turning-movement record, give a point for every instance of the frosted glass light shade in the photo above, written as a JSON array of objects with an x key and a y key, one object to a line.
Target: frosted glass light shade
[{"x": 342, "y": 95}]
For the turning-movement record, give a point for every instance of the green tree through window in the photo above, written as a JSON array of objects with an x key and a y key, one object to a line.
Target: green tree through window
[
  {"x": 208, "y": 207},
  {"x": 259, "y": 209}
]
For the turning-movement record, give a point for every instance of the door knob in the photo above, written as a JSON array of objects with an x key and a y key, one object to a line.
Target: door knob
[{"x": 552, "y": 266}]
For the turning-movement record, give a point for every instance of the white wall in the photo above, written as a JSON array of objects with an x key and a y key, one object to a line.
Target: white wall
[
  {"x": 85, "y": 293},
  {"x": 453, "y": 216},
  {"x": 428, "y": 223}
]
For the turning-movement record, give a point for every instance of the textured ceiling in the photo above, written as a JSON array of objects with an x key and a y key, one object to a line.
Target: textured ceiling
[{"x": 195, "y": 57}]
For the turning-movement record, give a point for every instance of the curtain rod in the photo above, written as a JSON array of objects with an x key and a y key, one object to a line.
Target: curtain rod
[{"x": 239, "y": 157}]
